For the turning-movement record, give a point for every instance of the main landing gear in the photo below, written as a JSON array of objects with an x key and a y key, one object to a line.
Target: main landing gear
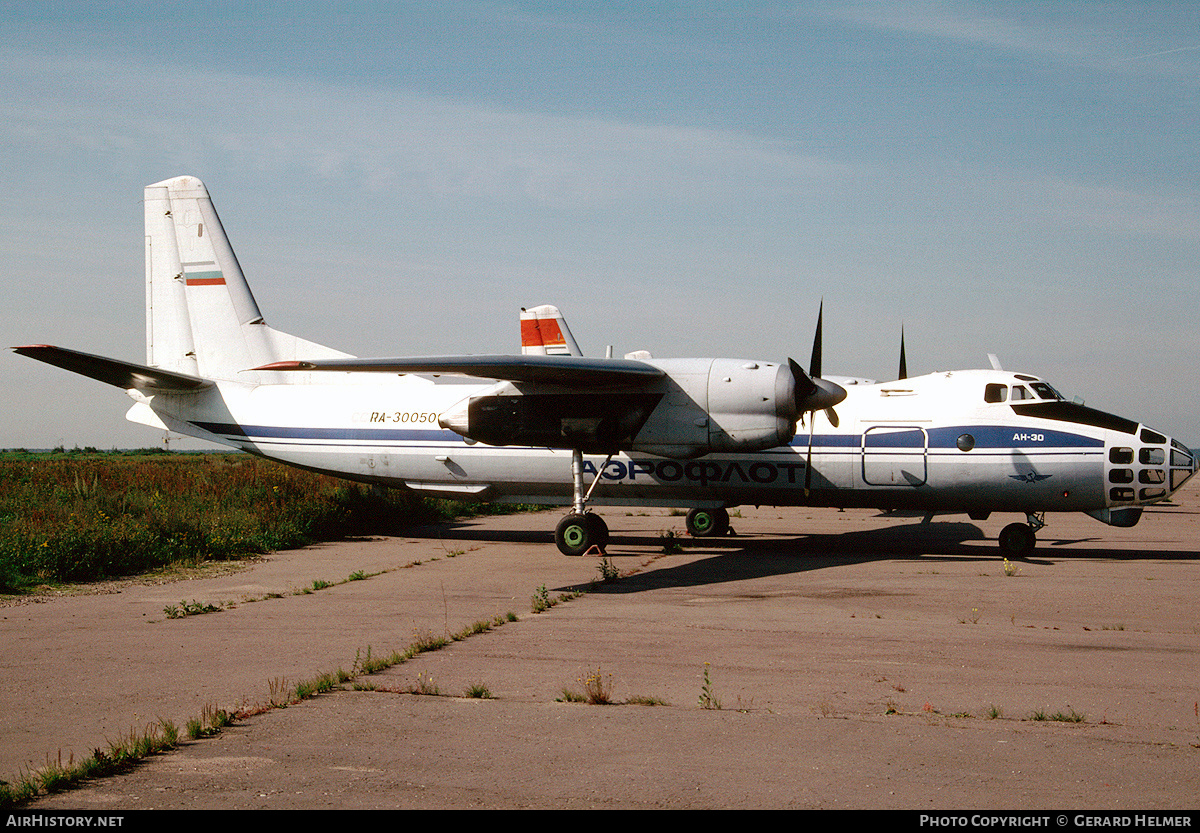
[
  {"x": 1018, "y": 540},
  {"x": 578, "y": 533},
  {"x": 581, "y": 530},
  {"x": 708, "y": 523}
]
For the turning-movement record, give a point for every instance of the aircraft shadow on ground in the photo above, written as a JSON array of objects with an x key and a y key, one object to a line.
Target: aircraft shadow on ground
[
  {"x": 739, "y": 558},
  {"x": 742, "y": 558}
]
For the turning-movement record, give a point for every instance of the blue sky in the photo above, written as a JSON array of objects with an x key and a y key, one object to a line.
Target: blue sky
[{"x": 686, "y": 178}]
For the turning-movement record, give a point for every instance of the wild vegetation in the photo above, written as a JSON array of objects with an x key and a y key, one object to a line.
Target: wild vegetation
[{"x": 76, "y": 516}]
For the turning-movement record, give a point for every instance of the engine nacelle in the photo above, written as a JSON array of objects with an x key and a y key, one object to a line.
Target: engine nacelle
[
  {"x": 698, "y": 407},
  {"x": 715, "y": 405}
]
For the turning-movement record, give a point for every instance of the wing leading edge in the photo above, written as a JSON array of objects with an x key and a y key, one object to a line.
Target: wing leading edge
[{"x": 551, "y": 370}]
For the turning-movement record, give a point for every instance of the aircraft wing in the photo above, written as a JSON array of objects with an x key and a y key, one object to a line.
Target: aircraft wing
[
  {"x": 149, "y": 380},
  {"x": 551, "y": 370}
]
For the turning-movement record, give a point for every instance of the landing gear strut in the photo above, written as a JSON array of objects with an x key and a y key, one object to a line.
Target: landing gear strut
[
  {"x": 708, "y": 523},
  {"x": 1018, "y": 540},
  {"x": 581, "y": 530}
]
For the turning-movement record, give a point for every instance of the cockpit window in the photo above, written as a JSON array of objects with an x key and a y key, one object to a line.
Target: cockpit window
[
  {"x": 1045, "y": 391},
  {"x": 1021, "y": 392},
  {"x": 995, "y": 393}
]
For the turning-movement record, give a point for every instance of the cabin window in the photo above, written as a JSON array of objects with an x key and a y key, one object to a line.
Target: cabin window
[
  {"x": 1121, "y": 456},
  {"x": 965, "y": 442},
  {"x": 1120, "y": 476},
  {"x": 995, "y": 393},
  {"x": 1152, "y": 456}
]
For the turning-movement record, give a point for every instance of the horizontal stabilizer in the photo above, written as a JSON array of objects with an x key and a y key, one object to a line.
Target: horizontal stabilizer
[
  {"x": 149, "y": 380},
  {"x": 552, "y": 370}
]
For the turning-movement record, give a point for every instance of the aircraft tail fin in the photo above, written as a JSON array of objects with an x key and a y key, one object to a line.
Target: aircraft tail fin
[
  {"x": 544, "y": 332},
  {"x": 201, "y": 317}
]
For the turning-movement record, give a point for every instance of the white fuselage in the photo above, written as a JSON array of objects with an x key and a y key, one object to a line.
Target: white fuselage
[{"x": 933, "y": 442}]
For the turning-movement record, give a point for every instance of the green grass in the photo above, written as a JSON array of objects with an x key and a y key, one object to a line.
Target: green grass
[{"x": 85, "y": 516}]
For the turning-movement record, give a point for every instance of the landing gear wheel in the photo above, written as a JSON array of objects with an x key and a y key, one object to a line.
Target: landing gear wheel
[
  {"x": 576, "y": 534},
  {"x": 599, "y": 530},
  {"x": 1017, "y": 540},
  {"x": 708, "y": 523}
]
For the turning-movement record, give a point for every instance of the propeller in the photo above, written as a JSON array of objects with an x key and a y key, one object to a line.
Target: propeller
[{"x": 812, "y": 393}]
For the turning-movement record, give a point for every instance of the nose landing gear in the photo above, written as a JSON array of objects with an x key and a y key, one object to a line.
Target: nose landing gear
[{"x": 1018, "y": 540}]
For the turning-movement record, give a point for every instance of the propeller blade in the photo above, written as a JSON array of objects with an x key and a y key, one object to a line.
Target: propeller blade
[
  {"x": 903, "y": 363},
  {"x": 814, "y": 366},
  {"x": 808, "y": 461},
  {"x": 831, "y": 415}
]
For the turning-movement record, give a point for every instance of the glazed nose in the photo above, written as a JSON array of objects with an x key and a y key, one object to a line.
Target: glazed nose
[{"x": 1183, "y": 464}]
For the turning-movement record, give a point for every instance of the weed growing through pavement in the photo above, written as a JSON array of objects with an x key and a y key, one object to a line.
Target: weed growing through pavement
[
  {"x": 211, "y": 721},
  {"x": 195, "y": 608},
  {"x": 425, "y": 685},
  {"x": 597, "y": 688},
  {"x": 541, "y": 600},
  {"x": 164, "y": 735},
  {"x": 479, "y": 691},
  {"x": 1069, "y": 716},
  {"x": 608, "y": 572},
  {"x": 277, "y": 691},
  {"x": 972, "y": 619},
  {"x": 671, "y": 544},
  {"x": 708, "y": 700},
  {"x": 425, "y": 640},
  {"x": 119, "y": 756},
  {"x": 1011, "y": 570},
  {"x": 192, "y": 608}
]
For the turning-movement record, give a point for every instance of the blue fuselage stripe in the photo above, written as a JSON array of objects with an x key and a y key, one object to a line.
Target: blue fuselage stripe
[{"x": 987, "y": 437}]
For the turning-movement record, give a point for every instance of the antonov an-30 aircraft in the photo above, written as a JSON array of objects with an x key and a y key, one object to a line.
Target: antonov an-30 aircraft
[{"x": 553, "y": 426}]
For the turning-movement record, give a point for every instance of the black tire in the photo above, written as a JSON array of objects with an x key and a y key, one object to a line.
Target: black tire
[
  {"x": 1017, "y": 540},
  {"x": 708, "y": 523},
  {"x": 576, "y": 534},
  {"x": 599, "y": 530}
]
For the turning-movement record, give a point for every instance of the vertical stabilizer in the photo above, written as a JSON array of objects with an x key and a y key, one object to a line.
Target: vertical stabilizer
[
  {"x": 201, "y": 317},
  {"x": 544, "y": 332}
]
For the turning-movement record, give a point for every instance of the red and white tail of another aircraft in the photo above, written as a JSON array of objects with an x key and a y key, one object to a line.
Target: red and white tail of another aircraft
[
  {"x": 553, "y": 426},
  {"x": 544, "y": 332}
]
